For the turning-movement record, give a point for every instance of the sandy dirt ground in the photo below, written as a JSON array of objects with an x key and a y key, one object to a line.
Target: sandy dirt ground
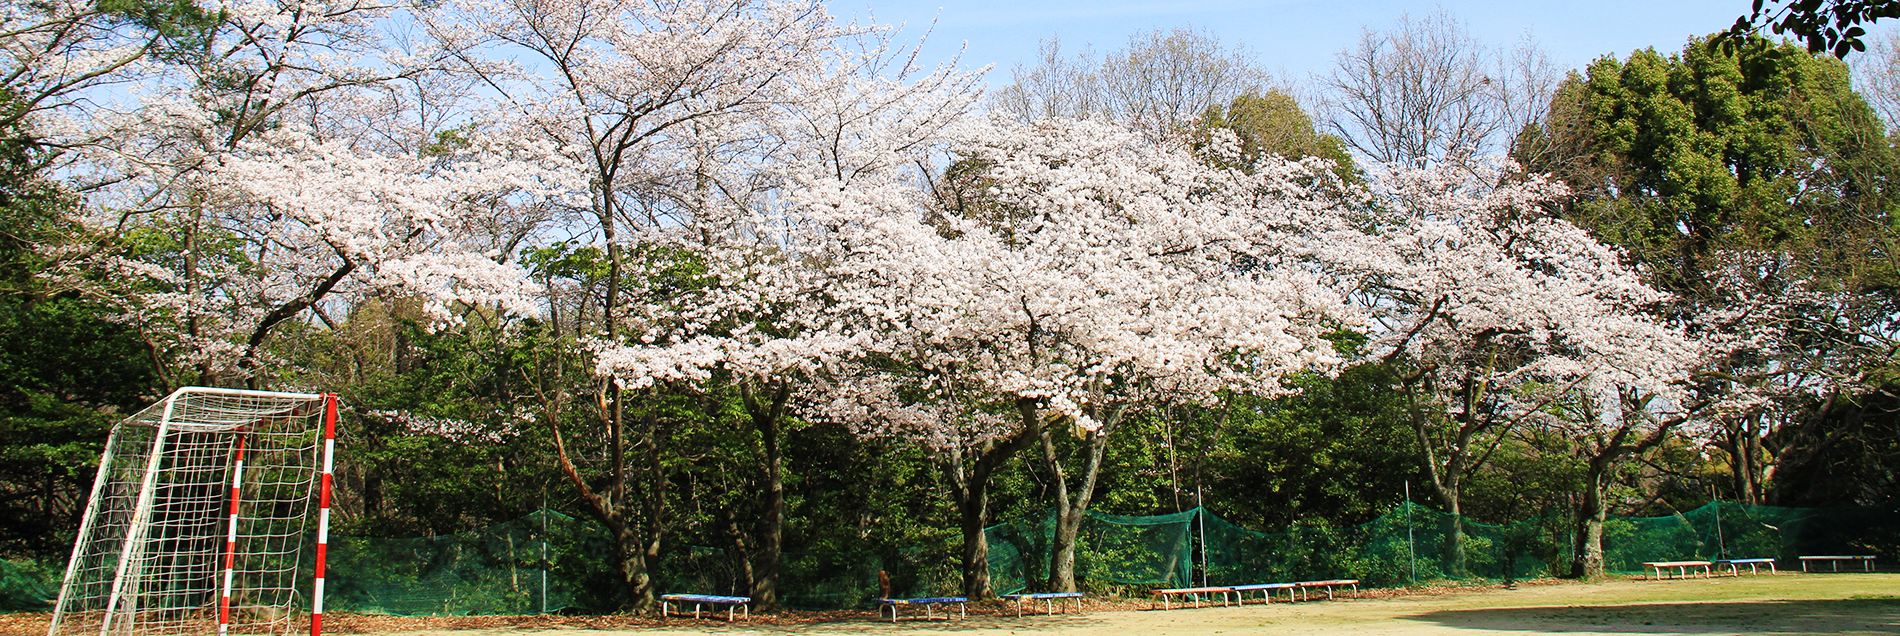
[{"x": 1848, "y": 604}]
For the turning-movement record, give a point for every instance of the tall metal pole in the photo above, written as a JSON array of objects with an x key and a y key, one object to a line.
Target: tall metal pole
[
  {"x": 1411, "y": 548},
  {"x": 544, "y": 550},
  {"x": 231, "y": 537},
  {"x": 1721, "y": 543},
  {"x": 1202, "y": 505},
  {"x": 323, "y": 512}
]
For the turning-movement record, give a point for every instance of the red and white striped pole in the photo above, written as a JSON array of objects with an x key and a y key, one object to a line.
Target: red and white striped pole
[
  {"x": 323, "y": 511},
  {"x": 230, "y": 540}
]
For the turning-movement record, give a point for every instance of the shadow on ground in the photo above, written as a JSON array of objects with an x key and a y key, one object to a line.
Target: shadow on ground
[{"x": 1878, "y": 615}]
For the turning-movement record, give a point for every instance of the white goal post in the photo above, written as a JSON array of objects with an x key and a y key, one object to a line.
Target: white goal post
[{"x": 200, "y": 516}]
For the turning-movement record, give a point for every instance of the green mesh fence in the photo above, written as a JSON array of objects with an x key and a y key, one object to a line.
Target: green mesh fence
[
  {"x": 1413, "y": 543},
  {"x": 527, "y": 566},
  {"x": 549, "y": 562},
  {"x": 1114, "y": 549},
  {"x": 26, "y": 586}
]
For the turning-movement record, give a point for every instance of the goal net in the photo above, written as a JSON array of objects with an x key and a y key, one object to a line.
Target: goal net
[{"x": 200, "y": 519}]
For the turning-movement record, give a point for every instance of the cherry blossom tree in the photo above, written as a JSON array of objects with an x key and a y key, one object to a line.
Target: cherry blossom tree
[
  {"x": 1792, "y": 348},
  {"x": 231, "y": 191},
  {"x": 653, "y": 98},
  {"x": 1611, "y": 420},
  {"x": 1494, "y": 310},
  {"x": 1079, "y": 269},
  {"x": 863, "y": 114}
]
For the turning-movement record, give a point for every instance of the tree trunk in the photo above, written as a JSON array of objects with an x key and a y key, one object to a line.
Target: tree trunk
[
  {"x": 644, "y": 598},
  {"x": 1443, "y": 479},
  {"x": 1594, "y": 509},
  {"x": 1062, "y": 545},
  {"x": 1590, "y": 516},
  {"x": 628, "y": 555},
  {"x": 973, "y": 514},
  {"x": 1445, "y": 483},
  {"x": 1454, "y": 536},
  {"x": 971, "y": 491},
  {"x": 1070, "y": 511},
  {"x": 633, "y": 562},
  {"x": 767, "y": 418}
]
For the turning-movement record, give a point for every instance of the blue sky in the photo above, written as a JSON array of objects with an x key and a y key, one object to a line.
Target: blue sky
[{"x": 1294, "y": 38}]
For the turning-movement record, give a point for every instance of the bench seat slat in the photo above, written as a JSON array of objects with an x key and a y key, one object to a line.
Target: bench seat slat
[
  {"x": 1193, "y": 590},
  {"x": 923, "y": 601},
  {"x": 704, "y": 598}
]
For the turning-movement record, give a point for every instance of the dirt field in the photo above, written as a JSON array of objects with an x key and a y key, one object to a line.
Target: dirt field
[{"x": 1787, "y": 604}]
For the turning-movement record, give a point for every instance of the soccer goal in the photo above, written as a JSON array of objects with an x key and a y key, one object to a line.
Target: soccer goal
[{"x": 200, "y": 519}]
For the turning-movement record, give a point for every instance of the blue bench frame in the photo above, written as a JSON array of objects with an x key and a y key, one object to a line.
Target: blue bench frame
[
  {"x": 929, "y": 602},
  {"x": 1048, "y": 599},
  {"x": 707, "y": 599}
]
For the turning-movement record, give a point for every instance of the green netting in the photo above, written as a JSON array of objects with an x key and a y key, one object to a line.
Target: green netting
[
  {"x": 1115, "y": 549},
  {"x": 526, "y": 566},
  {"x": 1416, "y": 544},
  {"x": 26, "y": 586},
  {"x": 548, "y": 562}
]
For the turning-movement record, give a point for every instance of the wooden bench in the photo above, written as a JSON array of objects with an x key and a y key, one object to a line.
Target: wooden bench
[
  {"x": 1866, "y": 560},
  {"x": 1164, "y": 595},
  {"x": 1303, "y": 586},
  {"x": 1734, "y": 565},
  {"x": 703, "y": 599},
  {"x": 928, "y": 603},
  {"x": 1048, "y": 599},
  {"x": 1266, "y": 591},
  {"x": 1682, "y": 567}
]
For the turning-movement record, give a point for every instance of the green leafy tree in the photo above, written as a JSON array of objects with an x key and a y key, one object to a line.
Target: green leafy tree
[
  {"x": 1339, "y": 450},
  {"x": 66, "y": 373},
  {"x": 1677, "y": 157},
  {"x": 1272, "y": 123},
  {"x": 1826, "y": 25},
  {"x": 1690, "y": 160}
]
